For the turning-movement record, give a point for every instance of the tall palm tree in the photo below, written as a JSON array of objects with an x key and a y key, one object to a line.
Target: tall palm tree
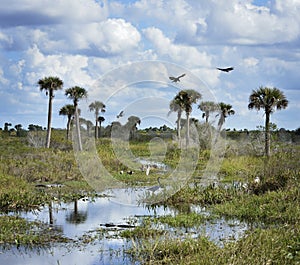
[
  {"x": 176, "y": 106},
  {"x": 69, "y": 111},
  {"x": 225, "y": 111},
  {"x": 100, "y": 120},
  {"x": 50, "y": 84},
  {"x": 97, "y": 106},
  {"x": 267, "y": 99},
  {"x": 207, "y": 107},
  {"x": 76, "y": 93},
  {"x": 186, "y": 98}
]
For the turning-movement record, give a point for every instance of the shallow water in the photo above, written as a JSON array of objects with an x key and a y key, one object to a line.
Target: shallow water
[{"x": 76, "y": 220}]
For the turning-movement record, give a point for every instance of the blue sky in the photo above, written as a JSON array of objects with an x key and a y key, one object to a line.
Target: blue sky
[{"x": 122, "y": 53}]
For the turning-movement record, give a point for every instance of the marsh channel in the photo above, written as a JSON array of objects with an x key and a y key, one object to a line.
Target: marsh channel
[{"x": 94, "y": 225}]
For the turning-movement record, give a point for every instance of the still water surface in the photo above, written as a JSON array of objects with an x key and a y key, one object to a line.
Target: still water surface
[{"x": 87, "y": 216}]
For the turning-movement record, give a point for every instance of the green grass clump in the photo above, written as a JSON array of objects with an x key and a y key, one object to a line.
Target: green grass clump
[
  {"x": 271, "y": 207},
  {"x": 183, "y": 220},
  {"x": 15, "y": 230},
  {"x": 278, "y": 246},
  {"x": 16, "y": 195}
]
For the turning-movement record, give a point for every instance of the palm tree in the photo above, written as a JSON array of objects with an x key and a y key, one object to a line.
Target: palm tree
[
  {"x": 185, "y": 99},
  {"x": 75, "y": 93},
  {"x": 6, "y": 125},
  {"x": 131, "y": 124},
  {"x": 225, "y": 111},
  {"x": 50, "y": 84},
  {"x": 100, "y": 120},
  {"x": 97, "y": 106},
  {"x": 89, "y": 125},
  {"x": 69, "y": 111},
  {"x": 18, "y": 128},
  {"x": 267, "y": 99},
  {"x": 207, "y": 107},
  {"x": 176, "y": 107}
]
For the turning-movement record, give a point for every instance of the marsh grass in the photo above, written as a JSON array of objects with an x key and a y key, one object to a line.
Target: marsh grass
[
  {"x": 18, "y": 195},
  {"x": 278, "y": 207},
  {"x": 183, "y": 220},
  {"x": 17, "y": 231},
  {"x": 272, "y": 205}
]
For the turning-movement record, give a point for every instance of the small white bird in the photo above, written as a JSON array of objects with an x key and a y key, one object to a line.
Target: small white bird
[
  {"x": 147, "y": 170},
  {"x": 257, "y": 180}
]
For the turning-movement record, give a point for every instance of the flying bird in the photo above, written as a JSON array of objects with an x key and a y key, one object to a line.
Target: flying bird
[
  {"x": 120, "y": 114},
  {"x": 228, "y": 69},
  {"x": 176, "y": 79}
]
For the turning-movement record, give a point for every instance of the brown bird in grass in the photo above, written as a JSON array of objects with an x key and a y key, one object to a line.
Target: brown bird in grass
[
  {"x": 176, "y": 79},
  {"x": 228, "y": 69}
]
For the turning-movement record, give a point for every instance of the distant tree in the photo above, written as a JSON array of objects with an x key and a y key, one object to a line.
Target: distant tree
[
  {"x": 50, "y": 84},
  {"x": 89, "y": 125},
  {"x": 32, "y": 127},
  {"x": 185, "y": 99},
  {"x": 97, "y": 106},
  {"x": 177, "y": 106},
  {"x": 76, "y": 93},
  {"x": 225, "y": 110},
  {"x": 69, "y": 111},
  {"x": 100, "y": 120},
  {"x": 207, "y": 107},
  {"x": 131, "y": 124},
  {"x": 19, "y": 130},
  {"x": 6, "y": 126},
  {"x": 267, "y": 99}
]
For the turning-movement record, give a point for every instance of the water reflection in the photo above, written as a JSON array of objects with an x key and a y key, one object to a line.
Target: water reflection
[{"x": 84, "y": 216}]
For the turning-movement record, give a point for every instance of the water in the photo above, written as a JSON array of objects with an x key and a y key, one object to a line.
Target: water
[{"x": 85, "y": 216}]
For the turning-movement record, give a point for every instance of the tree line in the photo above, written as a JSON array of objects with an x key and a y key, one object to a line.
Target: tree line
[{"x": 263, "y": 98}]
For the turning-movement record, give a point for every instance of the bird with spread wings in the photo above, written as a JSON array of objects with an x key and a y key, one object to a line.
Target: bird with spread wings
[
  {"x": 176, "y": 79},
  {"x": 228, "y": 69},
  {"x": 121, "y": 114}
]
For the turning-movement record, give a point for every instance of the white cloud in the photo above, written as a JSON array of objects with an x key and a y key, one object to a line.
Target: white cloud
[
  {"x": 186, "y": 55},
  {"x": 250, "y": 62},
  {"x": 49, "y": 12},
  {"x": 82, "y": 40}
]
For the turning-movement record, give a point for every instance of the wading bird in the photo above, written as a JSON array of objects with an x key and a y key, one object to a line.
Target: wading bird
[
  {"x": 155, "y": 188},
  {"x": 176, "y": 79},
  {"x": 228, "y": 69},
  {"x": 147, "y": 170}
]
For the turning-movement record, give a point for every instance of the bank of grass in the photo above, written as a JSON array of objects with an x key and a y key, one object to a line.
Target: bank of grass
[
  {"x": 278, "y": 246},
  {"x": 273, "y": 203},
  {"x": 270, "y": 207},
  {"x": 18, "y": 195},
  {"x": 15, "y": 230}
]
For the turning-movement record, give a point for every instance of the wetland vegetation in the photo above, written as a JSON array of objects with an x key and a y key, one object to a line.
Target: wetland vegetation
[{"x": 31, "y": 178}]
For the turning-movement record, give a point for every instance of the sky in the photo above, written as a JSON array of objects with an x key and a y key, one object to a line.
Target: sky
[{"x": 123, "y": 52}]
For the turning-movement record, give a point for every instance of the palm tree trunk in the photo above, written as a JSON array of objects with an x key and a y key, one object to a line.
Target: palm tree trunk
[
  {"x": 68, "y": 127},
  {"x": 178, "y": 125},
  {"x": 100, "y": 128},
  {"x": 96, "y": 128},
  {"x": 49, "y": 119},
  {"x": 187, "y": 129},
  {"x": 206, "y": 116},
  {"x": 78, "y": 129},
  {"x": 267, "y": 134}
]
